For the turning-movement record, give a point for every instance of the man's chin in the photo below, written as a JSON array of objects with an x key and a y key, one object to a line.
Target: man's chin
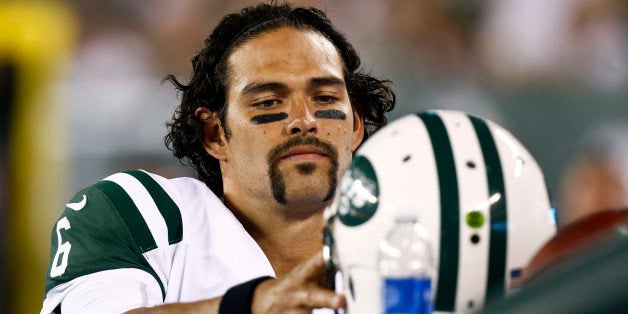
[
  {"x": 304, "y": 183},
  {"x": 301, "y": 206},
  {"x": 305, "y": 173},
  {"x": 306, "y": 168},
  {"x": 313, "y": 192}
]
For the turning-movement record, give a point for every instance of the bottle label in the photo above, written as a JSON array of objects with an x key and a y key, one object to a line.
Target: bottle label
[{"x": 407, "y": 295}]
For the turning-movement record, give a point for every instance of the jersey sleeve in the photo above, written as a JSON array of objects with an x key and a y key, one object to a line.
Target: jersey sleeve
[
  {"x": 108, "y": 291},
  {"x": 100, "y": 229}
]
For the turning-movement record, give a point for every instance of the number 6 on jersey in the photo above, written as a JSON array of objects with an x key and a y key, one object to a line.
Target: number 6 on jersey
[{"x": 57, "y": 268}]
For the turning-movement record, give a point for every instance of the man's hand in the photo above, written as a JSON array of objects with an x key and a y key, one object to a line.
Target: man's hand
[{"x": 300, "y": 291}]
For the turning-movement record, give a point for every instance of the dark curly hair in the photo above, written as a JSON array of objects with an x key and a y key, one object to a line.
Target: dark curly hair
[{"x": 370, "y": 97}]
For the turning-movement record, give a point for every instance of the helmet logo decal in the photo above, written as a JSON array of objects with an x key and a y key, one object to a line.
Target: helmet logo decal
[{"x": 359, "y": 193}]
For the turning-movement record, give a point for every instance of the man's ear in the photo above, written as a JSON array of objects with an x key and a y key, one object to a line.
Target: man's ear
[
  {"x": 214, "y": 140},
  {"x": 358, "y": 130}
]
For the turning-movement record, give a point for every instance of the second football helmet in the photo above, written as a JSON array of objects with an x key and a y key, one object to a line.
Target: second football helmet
[{"x": 469, "y": 182}]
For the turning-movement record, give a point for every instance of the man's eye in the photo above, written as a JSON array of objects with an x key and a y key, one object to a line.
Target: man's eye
[
  {"x": 325, "y": 99},
  {"x": 266, "y": 103}
]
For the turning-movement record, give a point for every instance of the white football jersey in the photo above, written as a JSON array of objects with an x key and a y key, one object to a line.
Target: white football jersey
[{"x": 137, "y": 239}]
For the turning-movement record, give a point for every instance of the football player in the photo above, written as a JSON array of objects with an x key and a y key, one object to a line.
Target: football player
[{"x": 275, "y": 107}]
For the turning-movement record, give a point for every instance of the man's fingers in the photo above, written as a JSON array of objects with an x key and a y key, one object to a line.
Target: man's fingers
[
  {"x": 315, "y": 297},
  {"x": 298, "y": 291},
  {"x": 312, "y": 269}
]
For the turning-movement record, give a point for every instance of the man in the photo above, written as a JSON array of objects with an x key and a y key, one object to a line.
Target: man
[{"x": 269, "y": 120}]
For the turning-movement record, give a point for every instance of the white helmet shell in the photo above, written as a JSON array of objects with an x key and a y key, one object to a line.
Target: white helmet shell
[{"x": 468, "y": 181}]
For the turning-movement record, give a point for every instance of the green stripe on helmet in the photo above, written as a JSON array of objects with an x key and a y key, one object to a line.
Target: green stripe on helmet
[
  {"x": 445, "y": 298},
  {"x": 496, "y": 285}
]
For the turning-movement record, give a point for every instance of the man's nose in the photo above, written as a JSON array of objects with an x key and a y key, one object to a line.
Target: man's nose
[{"x": 302, "y": 119}]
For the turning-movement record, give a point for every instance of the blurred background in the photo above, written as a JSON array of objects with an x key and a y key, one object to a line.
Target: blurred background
[{"x": 81, "y": 94}]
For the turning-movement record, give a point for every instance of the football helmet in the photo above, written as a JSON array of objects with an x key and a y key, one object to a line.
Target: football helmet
[{"x": 469, "y": 182}]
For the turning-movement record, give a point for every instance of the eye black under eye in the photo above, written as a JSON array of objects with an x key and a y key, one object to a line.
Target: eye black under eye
[
  {"x": 330, "y": 114},
  {"x": 269, "y": 117}
]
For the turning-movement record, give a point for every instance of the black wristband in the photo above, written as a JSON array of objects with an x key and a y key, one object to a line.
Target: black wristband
[{"x": 239, "y": 299}]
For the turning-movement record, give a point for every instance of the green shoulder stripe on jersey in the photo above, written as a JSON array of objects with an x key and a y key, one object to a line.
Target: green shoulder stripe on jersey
[
  {"x": 107, "y": 232},
  {"x": 129, "y": 213},
  {"x": 133, "y": 220},
  {"x": 445, "y": 298},
  {"x": 169, "y": 210},
  {"x": 499, "y": 217}
]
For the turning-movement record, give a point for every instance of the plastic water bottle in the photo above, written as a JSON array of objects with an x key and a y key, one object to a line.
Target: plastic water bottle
[{"x": 406, "y": 268}]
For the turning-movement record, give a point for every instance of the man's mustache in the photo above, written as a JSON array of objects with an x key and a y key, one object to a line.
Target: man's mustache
[{"x": 275, "y": 154}]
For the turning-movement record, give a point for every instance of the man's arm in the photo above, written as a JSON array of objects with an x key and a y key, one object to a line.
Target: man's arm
[{"x": 300, "y": 291}]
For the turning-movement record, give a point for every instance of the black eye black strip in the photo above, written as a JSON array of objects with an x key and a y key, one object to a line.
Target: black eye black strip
[
  {"x": 268, "y": 118},
  {"x": 330, "y": 114}
]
